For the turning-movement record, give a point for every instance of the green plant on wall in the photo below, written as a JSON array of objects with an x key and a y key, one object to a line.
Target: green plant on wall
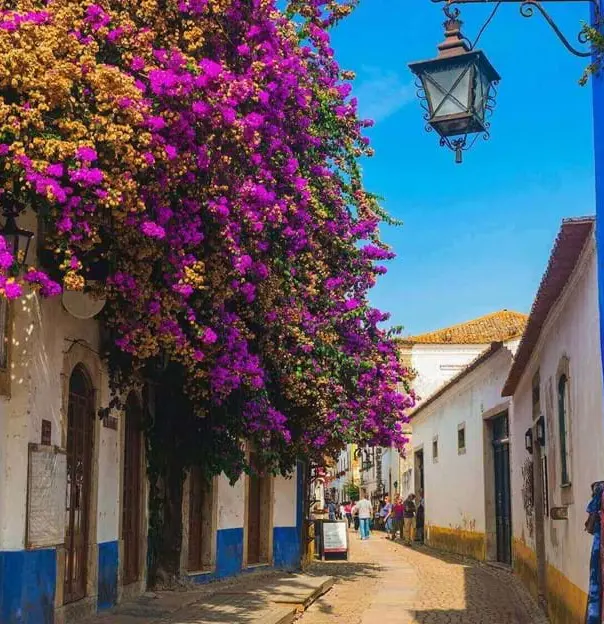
[
  {"x": 352, "y": 491},
  {"x": 597, "y": 41}
]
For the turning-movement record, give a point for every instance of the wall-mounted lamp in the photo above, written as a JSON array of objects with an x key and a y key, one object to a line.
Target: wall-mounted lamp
[
  {"x": 541, "y": 431},
  {"x": 528, "y": 441},
  {"x": 17, "y": 239}
]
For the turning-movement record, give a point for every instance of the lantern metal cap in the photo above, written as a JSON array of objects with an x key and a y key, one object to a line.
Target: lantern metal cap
[
  {"x": 455, "y": 43},
  {"x": 479, "y": 56}
]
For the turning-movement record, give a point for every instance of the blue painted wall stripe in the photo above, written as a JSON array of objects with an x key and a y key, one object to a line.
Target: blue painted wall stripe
[
  {"x": 286, "y": 548},
  {"x": 229, "y": 552},
  {"x": 108, "y": 567},
  {"x": 28, "y": 580}
]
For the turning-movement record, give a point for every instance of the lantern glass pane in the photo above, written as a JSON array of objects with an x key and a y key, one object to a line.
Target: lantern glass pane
[
  {"x": 483, "y": 88},
  {"x": 448, "y": 89}
]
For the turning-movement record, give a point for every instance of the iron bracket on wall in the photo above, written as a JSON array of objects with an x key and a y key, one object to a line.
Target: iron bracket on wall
[{"x": 527, "y": 9}]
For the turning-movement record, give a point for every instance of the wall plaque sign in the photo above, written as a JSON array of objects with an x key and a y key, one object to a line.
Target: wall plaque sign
[
  {"x": 46, "y": 487},
  {"x": 559, "y": 513}
]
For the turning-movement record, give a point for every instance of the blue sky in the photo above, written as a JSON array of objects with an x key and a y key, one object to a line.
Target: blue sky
[{"x": 476, "y": 237}]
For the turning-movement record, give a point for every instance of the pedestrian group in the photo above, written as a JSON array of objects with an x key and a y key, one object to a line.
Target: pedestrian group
[{"x": 405, "y": 518}]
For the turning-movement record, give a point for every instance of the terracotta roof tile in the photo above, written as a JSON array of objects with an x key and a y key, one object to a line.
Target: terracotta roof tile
[{"x": 495, "y": 327}]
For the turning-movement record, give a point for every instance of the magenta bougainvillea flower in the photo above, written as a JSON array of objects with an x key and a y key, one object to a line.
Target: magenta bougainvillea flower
[{"x": 208, "y": 150}]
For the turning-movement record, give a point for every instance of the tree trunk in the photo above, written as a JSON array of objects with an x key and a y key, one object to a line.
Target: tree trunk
[
  {"x": 168, "y": 549},
  {"x": 167, "y": 469}
]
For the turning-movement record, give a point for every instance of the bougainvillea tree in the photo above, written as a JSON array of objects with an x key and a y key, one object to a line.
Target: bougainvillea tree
[{"x": 205, "y": 154}]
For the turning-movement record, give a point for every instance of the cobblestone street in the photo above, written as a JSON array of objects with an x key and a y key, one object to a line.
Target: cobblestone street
[{"x": 388, "y": 583}]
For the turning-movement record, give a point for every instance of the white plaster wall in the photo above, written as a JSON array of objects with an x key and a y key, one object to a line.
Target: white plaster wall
[
  {"x": 454, "y": 485},
  {"x": 522, "y": 523},
  {"x": 571, "y": 330},
  {"x": 231, "y": 503},
  {"x": 109, "y": 485},
  {"x": 284, "y": 501},
  {"x": 42, "y": 332},
  {"x": 436, "y": 364},
  {"x": 406, "y": 470},
  {"x": 41, "y": 336},
  {"x": 390, "y": 470}
]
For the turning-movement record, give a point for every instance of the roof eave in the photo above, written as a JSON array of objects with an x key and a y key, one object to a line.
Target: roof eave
[{"x": 568, "y": 248}]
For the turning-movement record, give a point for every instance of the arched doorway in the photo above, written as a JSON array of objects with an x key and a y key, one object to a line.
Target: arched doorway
[
  {"x": 80, "y": 423},
  {"x": 131, "y": 493}
]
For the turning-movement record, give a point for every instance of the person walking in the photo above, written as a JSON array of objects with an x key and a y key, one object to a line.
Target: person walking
[
  {"x": 331, "y": 509},
  {"x": 364, "y": 511},
  {"x": 355, "y": 514},
  {"x": 348, "y": 513},
  {"x": 397, "y": 518},
  {"x": 386, "y": 514},
  {"x": 341, "y": 512},
  {"x": 409, "y": 519},
  {"x": 419, "y": 520}
]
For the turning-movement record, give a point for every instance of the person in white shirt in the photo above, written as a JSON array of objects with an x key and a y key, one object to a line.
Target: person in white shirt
[{"x": 364, "y": 510}]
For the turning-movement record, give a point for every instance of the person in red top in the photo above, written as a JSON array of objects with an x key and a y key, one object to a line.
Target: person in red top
[
  {"x": 348, "y": 512},
  {"x": 397, "y": 513}
]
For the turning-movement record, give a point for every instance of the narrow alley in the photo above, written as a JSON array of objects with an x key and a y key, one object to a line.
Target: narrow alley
[
  {"x": 388, "y": 583},
  {"x": 381, "y": 583}
]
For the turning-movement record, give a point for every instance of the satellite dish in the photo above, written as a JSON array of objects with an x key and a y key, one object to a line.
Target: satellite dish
[{"x": 82, "y": 305}]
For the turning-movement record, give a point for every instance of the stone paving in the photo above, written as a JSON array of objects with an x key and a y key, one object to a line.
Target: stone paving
[
  {"x": 273, "y": 598},
  {"x": 382, "y": 583},
  {"x": 387, "y": 583}
]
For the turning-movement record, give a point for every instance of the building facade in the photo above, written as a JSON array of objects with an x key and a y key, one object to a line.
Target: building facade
[
  {"x": 437, "y": 357},
  {"x": 73, "y": 484},
  {"x": 556, "y": 430},
  {"x": 461, "y": 458}
]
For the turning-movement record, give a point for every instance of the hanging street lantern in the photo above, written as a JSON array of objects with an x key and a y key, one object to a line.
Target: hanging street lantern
[
  {"x": 456, "y": 89},
  {"x": 17, "y": 239}
]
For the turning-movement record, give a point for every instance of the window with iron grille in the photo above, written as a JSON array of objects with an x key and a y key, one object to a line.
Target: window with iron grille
[{"x": 461, "y": 439}]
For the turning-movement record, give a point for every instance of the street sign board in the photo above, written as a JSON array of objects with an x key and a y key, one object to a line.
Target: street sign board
[{"x": 335, "y": 537}]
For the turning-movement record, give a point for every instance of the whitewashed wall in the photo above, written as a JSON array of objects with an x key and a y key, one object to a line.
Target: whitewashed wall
[
  {"x": 391, "y": 470},
  {"x": 43, "y": 332},
  {"x": 454, "y": 485},
  {"x": 435, "y": 364},
  {"x": 285, "y": 501},
  {"x": 231, "y": 503},
  {"x": 572, "y": 331},
  {"x": 109, "y": 494}
]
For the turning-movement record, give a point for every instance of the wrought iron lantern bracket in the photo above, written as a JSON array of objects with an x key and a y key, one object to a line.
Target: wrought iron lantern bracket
[{"x": 527, "y": 9}]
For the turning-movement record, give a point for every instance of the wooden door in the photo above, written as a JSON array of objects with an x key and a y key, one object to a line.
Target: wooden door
[
  {"x": 254, "y": 514},
  {"x": 197, "y": 507},
  {"x": 80, "y": 423},
  {"x": 132, "y": 485},
  {"x": 503, "y": 504}
]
